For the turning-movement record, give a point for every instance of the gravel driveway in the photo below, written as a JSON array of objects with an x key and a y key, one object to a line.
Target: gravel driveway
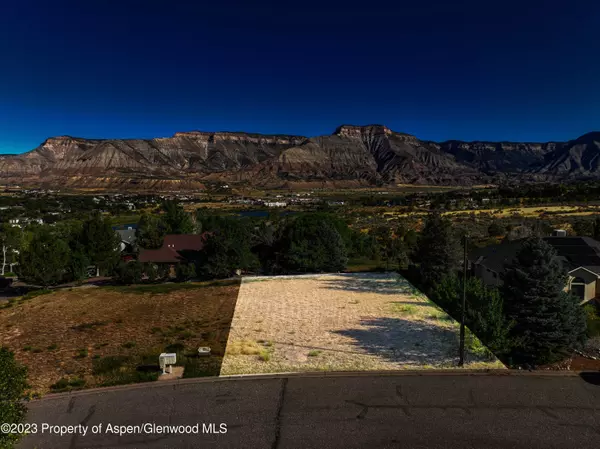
[{"x": 339, "y": 322}]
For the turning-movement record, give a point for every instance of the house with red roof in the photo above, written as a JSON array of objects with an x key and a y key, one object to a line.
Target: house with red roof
[{"x": 176, "y": 248}]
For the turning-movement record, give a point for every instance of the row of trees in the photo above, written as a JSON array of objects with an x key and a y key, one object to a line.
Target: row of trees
[
  {"x": 64, "y": 252},
  {"x": 310, "y": 242},
  {"x": 530, "y": 319}
]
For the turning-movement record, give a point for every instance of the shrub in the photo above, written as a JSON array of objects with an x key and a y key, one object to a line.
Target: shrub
[
  {"x": 128, "y": 345},
  {"x": 185, "y": 272},
  {"x": 151, "y": 271},
  {"x": 592, "y": 315},
  {"x": 129, "y": 272},
  {"x": 35, "y": 293},
  {"x": 264, "y": 355},
  {"x": 107, "y": 364},
  {"x": 65, "y": 384},
  {"x": 13, "y": 381},
  {"x": 82, "y": 353}
]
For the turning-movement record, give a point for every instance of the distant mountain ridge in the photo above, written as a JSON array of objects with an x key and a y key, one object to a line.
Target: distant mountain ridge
[{"x": 352, "y": 155}]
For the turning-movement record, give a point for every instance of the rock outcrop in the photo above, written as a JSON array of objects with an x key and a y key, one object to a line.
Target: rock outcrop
[{"x": 360, "y": 155}]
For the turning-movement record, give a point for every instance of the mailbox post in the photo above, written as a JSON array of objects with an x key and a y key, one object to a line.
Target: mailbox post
[{"x": 166, "y": 360}]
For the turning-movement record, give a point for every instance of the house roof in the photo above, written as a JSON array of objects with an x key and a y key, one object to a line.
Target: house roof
[
  {"x": 573, "y": 252},
  {"x": 495, "y": 257},
  {"x": 174, "y": 248},
  {"x": 126, "y": 235}
]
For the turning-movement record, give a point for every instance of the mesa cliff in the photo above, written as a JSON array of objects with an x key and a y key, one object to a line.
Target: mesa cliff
[{"x": 352, "y": 155}]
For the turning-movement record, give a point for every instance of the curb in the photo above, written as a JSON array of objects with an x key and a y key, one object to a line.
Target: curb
[{"x": 312, "y": 375}]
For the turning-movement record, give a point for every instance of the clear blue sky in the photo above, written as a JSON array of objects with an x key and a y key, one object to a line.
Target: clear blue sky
[{"x": 502, "y": 70}]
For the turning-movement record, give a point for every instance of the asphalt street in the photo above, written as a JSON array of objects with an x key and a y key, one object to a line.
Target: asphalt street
[{"x": 329, "y": 411}]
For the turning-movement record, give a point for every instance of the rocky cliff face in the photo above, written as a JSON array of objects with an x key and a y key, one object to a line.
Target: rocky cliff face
[{"x": 367, "y": 155}]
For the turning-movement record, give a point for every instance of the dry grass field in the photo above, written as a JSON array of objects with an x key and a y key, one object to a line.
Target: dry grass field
[
  {"x": 339, "y": 322},
  {"x": 502, "y": 212},
  {"x": 94, "y": 336}
]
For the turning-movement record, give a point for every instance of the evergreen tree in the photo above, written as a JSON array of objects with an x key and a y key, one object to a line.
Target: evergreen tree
[
  {"x": 45, "y": 260},
  {"x": 101, "y": 243},
  {"x": 150, "y": 232},
  {"x": 437, "y": 250},
  {"x": 13, "y": 382},
  {"x": 228, "y": 248},
  {"x": 549, "y": 322},
  {"x": 484, "y": 314},
  {"x": 312, "y": 243},
  {"x": 176, "y": 219}
]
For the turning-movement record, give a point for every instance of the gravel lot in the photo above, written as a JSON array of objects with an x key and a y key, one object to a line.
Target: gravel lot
[{"x": 338, "y": 322}]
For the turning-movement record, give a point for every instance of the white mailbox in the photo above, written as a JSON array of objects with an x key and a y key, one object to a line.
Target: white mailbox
[{"x": 166, "y": 359}]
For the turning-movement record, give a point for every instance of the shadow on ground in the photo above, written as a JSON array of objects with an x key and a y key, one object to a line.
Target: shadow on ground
[
  {"x": 386, "y": 283},
  {"x": 405, "y": 342},
  {"x": 591, "y": 377}
]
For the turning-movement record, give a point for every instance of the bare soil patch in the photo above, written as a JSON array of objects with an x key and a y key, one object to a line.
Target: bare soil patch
[
  {"x": 338, "y": 322},
  {"x": 108, "y": 335}
]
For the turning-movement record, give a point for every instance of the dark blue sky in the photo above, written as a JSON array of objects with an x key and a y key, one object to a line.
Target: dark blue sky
[{"x": 502, "y": 70}]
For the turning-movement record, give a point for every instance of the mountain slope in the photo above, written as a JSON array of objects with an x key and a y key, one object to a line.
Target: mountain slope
[{"x": 367, "y": 155}]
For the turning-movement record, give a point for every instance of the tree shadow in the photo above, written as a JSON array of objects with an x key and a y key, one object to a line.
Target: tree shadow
[
  {"x": 383, "y": 283},
  {"x": 406, "y": 342},
  {"x": 415, "y": 303},
  {"x": 591, "y": 377}
]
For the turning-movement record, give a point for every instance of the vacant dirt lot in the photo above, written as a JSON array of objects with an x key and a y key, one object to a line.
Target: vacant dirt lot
[
  {"x": 354, "y": 321},
  {"x": 108, "y": 335}
]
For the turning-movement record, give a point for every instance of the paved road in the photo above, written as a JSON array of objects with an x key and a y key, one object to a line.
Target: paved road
[{"x": 328, "y": 411}]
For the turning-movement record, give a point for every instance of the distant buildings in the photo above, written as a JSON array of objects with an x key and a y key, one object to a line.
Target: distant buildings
[
  {"x": 275, "y": 203},
  {"x": 21, "y": 222}
]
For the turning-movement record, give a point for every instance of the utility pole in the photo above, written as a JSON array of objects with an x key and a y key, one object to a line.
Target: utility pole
[{"x": 461, "y": 359}]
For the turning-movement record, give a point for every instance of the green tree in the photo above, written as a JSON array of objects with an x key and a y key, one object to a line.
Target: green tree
[
  {"x": 228, "y": 248},
  {"x": 437, "y": 250},
  {"x": 392, "y": 249},
  {"x": 185, "y": 272},
  {"x": 265, "y": 237},
  {"x": 496, "y": 230},
  {"x": 45, "y": 261},
  {"x": 101, "y": 243},
  {"x": 549, "y": 322},
  {"x": 79, "y": 262},
  {"x": 583, "y": 228},
  {"x": 129, "y": 272},
  {"x": 151, "y": 271},
  {"x": 150, "y": 232},
  {"x": 312, "y": 243},
  {"x": 484, "y": 313},
  {"x": 176, "y": 219},
  {"x": 13, "y": 382}
]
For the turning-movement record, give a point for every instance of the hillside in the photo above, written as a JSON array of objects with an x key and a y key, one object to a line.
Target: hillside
[{"x": 352, "y": 155}]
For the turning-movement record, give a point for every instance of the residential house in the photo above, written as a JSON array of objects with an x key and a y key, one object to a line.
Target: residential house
[
  {"x": 176, "y": 248},
  {"x": 579, "y": 255},
  {"x": 128, "y": 239}
]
